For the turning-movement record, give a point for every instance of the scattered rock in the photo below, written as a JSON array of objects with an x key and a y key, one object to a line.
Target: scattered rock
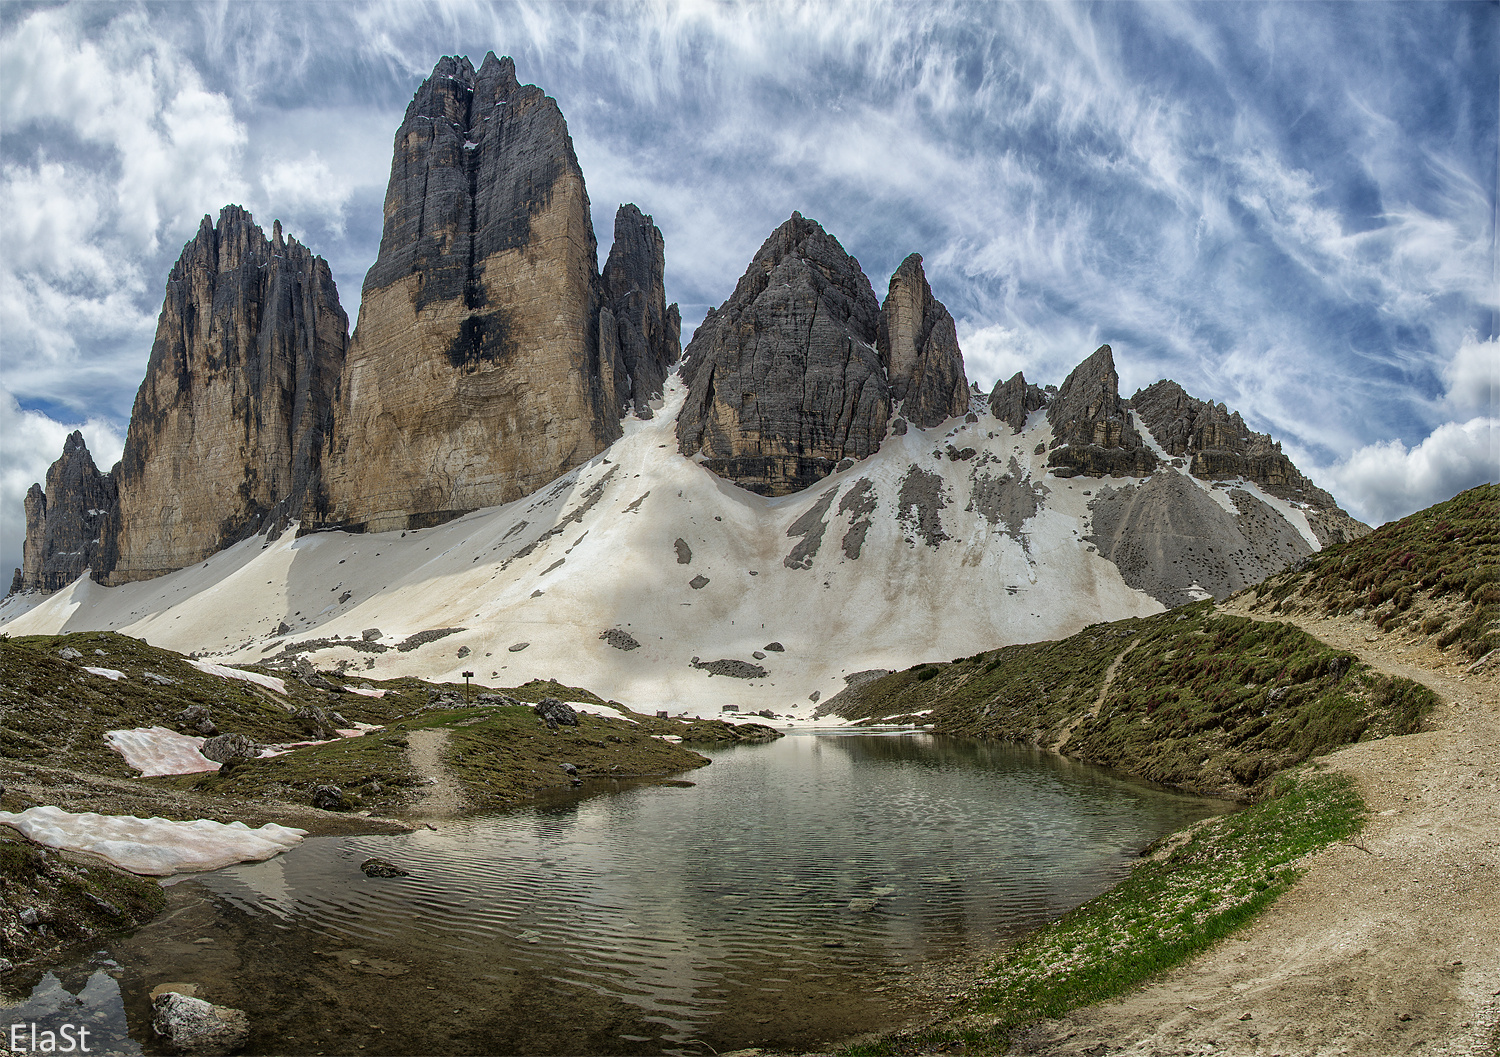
[
  {"x": 698, "y": 582},
  {"x": 193, "y": 1026},
  {"x": 315, "y": 723},
  {"x": 898, "y": 428},
  {"x": 369, "y": 634},
  {"x": 376, "y": 867},
  {"x": 813, "y": 697},
  {"x": 570, "y": 770},
  {"x": 29, "y": 917},
  {"x": 518, "y": 647},
  {"x": 555, "y": 713},
  {"x": 774, "y": 647},
  {"x": 328, "y": 798},
  {"x": 222, "y": 748},
  {"x": 732, "y": 668},
  {"x": 158, "y": 679},
  {"x": 684, "y": 552},
  {"x": 463, "y": 651},
  {"x": 620, "y": 639},
  {"x": 757, "y": 655},
  {"x": 68, "y": 653},
  {"x": 197, "y": 717}
]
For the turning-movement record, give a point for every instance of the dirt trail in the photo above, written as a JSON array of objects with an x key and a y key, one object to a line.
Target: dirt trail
[
  {"x": 1388, "y": 945},
  {"x": 1093, "y": 713},
  {"x": 441, "y": 797}
]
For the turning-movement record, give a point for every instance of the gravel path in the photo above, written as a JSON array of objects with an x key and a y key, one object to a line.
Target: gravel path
[
  {"x": 1389, "y": 944},
  {"x": 441, "y": 798}
]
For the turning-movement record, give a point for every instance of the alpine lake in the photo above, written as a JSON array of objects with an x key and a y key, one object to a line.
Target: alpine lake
[{"x": 791, "y": 895}]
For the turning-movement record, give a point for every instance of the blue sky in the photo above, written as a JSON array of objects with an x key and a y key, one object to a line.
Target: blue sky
[{"x": 1289, "y": 208}]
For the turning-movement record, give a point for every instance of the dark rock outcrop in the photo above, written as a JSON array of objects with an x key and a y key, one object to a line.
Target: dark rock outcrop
[
  {"x": 228, "y": 429},
  {"x": 476, "y": 373},
  {"x": 66, "y": 524},
  {"x": 192, "y": 1026},
  {"x": 918, "y": 345},
  {"x": 784, "y": 379},
  {"x": 1013, "y": 400},
  {"x": 1091, "y": 428},
  {"x": 647, "y": 332},
  {"x": 1218, "y": 446}
]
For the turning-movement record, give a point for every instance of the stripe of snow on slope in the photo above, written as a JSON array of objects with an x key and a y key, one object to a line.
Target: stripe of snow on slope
[
  {"x": 112, "y": 674},
  {"x": 270, "y": 682},
  {"x": 156, "y": 751},
  {"x": 155, "y": 847}
]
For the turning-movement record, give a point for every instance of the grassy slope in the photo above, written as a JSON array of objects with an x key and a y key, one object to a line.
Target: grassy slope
[
  {"x": 1211, "y": 703},
  {"x": 1436, "y": 572}
]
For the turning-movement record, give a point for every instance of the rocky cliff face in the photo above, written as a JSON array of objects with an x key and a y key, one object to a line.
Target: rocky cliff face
[
  {"x": 647, "y": 332},
  {"x": 1012, "y": 400},
  {"x": 1217, "y": 445},
  {"x": 918, "y": 345},
  {"x": 476, "y": 373},
  {"x": 227, "y": 432},
  {"x": 66, "y": 523},
  {"x": 1091, "y": 428},
  {"x": 784, "y": 379}
]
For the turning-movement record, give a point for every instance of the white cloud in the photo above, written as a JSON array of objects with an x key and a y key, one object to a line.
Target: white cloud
[
  {"x": 115, "y": 149},
  {"x": 30, "y": 442},
  {"x": 1473, "y": 377},
  {"x": 308, "y": 184},
  {"x": 1380, "y": 482}
]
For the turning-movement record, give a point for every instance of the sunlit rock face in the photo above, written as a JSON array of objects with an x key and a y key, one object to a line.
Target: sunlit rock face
[
  {"x": 476, "y": 373},
  {"x": 784, "y": 379},
  {"x": 918, "y": 344},
  {"x": 229, "y": 426}
]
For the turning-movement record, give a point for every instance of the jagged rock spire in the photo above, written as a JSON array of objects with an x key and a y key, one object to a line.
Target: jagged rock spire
[
  {"x": 918, "y": 345},
  {"x": 1091, "y": 427}
]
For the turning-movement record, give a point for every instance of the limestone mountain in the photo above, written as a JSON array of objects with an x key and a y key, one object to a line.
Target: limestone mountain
[
  {"x": 784, "y": 379},
  {"x": 66, "y": 523},
  {"x": 227, "y": 432},
  {"x": 918, "y": 345},
  {"x": 801, "y": 368},
  {"x": 1013, "y": 400},
  {"x": 1091, "y": 428},
  {"x": 647, "y": 332},
  {"x": 1217, "y": 445},
  {"x": 477, "y": 371}
]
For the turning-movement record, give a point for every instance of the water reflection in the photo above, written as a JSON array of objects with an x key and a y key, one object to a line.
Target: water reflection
[{"x": 768, "y": 905}]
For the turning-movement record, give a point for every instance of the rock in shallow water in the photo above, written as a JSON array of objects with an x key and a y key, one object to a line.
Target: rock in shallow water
[
  {"x": 191, "y": 1025},
  {"x": 376, "y": 867}
]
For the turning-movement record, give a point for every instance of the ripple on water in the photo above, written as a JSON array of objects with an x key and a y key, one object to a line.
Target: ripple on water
[{"x": 761, "y": 907}]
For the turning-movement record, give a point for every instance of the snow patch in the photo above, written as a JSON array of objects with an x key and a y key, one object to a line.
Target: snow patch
[
  {"x": 364, "y": 691},
  {"x": 112, "y": 674},
  {"x": 156, "y": 751},
  {"x": 154, "y": 847},
  {"x": 270, "y": 682},
  {"x": 607, "y": 711}
]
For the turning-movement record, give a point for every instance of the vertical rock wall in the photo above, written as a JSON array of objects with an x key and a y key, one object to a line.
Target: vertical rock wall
[
  {"x": 65, "y": 525},
  {"x": 918, "y": 344},
  {"x": 228, "y": 428},
  {"x": 475, "y": 374},
  {"x": 647, "y": 331},
  {"x": 784, "y": 379}
]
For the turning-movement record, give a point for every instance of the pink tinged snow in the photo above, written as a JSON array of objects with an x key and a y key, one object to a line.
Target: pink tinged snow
[
  {"x": 156, "y": 751},
  {"x": 270, "y": 682},
  {"x": 154, "y": 847}
]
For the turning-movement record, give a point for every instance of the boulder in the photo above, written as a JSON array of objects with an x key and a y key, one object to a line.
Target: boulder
[
  {"x": 198, "y": 718},
  {"x": 555, "y": 713},
  {"x": 315, "y": 723},
  {"x": 377, "y": 867},
  {"x": 222, "y": 748},
  {"x": 192, "y": 1026},
  {"x": 328, "y": 798}
]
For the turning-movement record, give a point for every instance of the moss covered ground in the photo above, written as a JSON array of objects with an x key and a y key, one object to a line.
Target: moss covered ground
[
  {"x": 1192, "y": 698},
  {"x": 1436, "y": 573}
]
